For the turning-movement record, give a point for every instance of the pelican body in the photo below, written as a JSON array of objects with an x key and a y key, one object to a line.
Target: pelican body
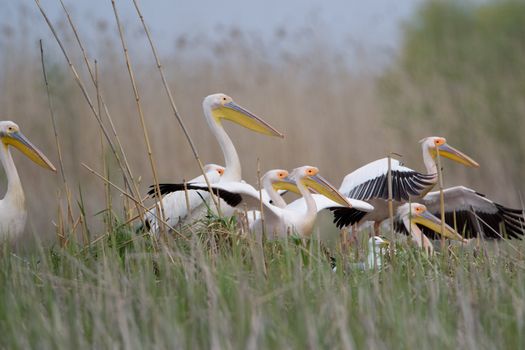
[
  {"x": 275, "y": 221},
  {"x": 370, "y": 182},
  {"x": 176, "y": 205},
  {"x": 411, "y": 217},
  {"x": 377, "y": 248},
  {"x": 217, "y": 108},
  {"x": 13, "y": 213},
  {"x": 474, "y": 215},
  {"x": 299, "y": 220}
]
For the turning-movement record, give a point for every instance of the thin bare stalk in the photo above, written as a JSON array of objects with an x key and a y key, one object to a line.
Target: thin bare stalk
[
  {"x": 187, "y": 199},
  {"x": 57, "y": 139},
  {"x": 85, "y": 93},
  {"x": 390, "y": 204},
  {"x": 260, "y": 196},
  {"x": 173, "y": 106},
  {"x": 105, "y": 168},
  {"x": 106, "y": 110},
  {"x": 441, "y": 197},
  {"x": 52, "y": 114},
  {"x": 125, "y": 193},
  {"x": 136, "y": 93}
]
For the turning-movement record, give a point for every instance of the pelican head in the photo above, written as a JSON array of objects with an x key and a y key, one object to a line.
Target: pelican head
[
  {"x": 309, "y": 177},
  {"x": 214, "y": 167},
  {"x": 376, "y": 244},
  {"x": 418, "y": 214},
  {"x": 11, "y": 136},
  {"x": 434, "y": 143},
  {"x": 376, "y": 249},
  {"x": 276, "y": 176},
  {"x": 223, "y": 107}
]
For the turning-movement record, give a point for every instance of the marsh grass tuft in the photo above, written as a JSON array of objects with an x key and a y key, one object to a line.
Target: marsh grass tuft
[
  {"x": 192, "y": 294},
  {"x": 107, "y": 285}
]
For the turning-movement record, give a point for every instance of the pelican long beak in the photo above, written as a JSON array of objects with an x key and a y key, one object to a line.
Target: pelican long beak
[
  {"x": 316, "y": 183},
  {"x": 286, "y": 184},
  {"x": 239, "y": 115},
  {"x": 321, "y": 186},
  {"x": 19, "y": 141},
  {"x": 450, "y": 152},
  {"x": 433, "y": 223},
  {"x": 384, "y": 244}
]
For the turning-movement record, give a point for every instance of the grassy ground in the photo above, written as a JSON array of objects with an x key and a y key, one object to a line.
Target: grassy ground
[
  {"x": 211, "y": 291},
  {"x": 214, "y": 289}
]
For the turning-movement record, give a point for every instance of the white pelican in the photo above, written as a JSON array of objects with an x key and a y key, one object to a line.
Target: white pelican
[
  {"x": 411, "y": 216},
  {"x": 370, "y": 182},
  {"x": 278, "y": 222},
  {"x": 217, "y": 107},
  {"x": 377, "y": 247},
  {"x": 341, "y": 213},
  {"x": 13, "y": 212},
  {"x": 299, "y": 215},
  {"x": 175, "y": 202},
  {"x": 473, "y": 214}
]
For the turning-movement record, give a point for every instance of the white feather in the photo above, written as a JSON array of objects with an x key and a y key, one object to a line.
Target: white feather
[{"x": 370, "y": 171}]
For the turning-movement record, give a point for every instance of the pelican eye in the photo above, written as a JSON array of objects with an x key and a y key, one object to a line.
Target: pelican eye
[
  {"x": 281, "y": 175},
  {"x": 220, "y": 171},
  {"x": 439, "y": 142}
]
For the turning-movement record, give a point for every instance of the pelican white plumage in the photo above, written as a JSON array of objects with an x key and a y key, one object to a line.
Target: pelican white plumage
[
  {"x": 411, "y": 217},
  {"x": 277, "y": 222},
  {"x": 13, "y": 213},
  {"x": 280, "y": 222},
  {"x": 377, "y": 248},
  {"x": 176, "y": 203},
  {"x": 473, "y": 214},
  {"x": 370, "y": 182},
  {"x": 217, "y": 107},
  {"x": 341, "y": 213}
]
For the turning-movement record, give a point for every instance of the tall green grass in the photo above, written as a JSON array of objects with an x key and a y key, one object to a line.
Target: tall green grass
[
  {"x": 331, "y": 110},
  {"x": 109, "y": 287},
  {"x": 210, "y": 292}
]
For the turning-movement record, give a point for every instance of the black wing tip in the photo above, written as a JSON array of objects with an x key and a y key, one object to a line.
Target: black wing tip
[
  {"x": 166, "y": 188},
  {"x": 344, "y": 216},
  {"x": 232, "y": 199}
]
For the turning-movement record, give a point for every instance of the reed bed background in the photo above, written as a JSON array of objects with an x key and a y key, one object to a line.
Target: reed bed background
[
  {"x": 92, "y": 281},
  {"x": 336, "y": 114}
]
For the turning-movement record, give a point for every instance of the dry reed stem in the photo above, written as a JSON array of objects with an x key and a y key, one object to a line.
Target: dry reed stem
[
  {"x": 105, "y": 168},
  {"x": 137, "y": 202},
  {"x": 174, "y": 107},
  {"x": 141, "y": 116},
  {"x": 390, "y": 204},
  {"x": 99, "y": 96},
  {"x": 82, "y": 88},
  {"x": 441, "y": 197},
  {"x": 261, "y": 207},
  {"x": 57, "y": 139}
]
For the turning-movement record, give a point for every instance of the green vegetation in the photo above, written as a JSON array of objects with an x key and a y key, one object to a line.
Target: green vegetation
[
  {"x": 461, "y": 70},
  {"x": 210, "y": 291},
  {"x": 460, "y": 73}
]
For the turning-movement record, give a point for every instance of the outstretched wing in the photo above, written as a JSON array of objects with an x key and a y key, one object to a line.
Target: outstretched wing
[
  {"x": 176, "y": 204},
  {"x": 371, "y": 181},
  {"x": 472, "y": 213},
  {"x": 343, "y": 216},
  {"x": 235, "y": 194}
]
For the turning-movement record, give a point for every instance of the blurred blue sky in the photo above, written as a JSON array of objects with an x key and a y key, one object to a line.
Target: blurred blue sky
[{"x": 373, "y": 26}]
